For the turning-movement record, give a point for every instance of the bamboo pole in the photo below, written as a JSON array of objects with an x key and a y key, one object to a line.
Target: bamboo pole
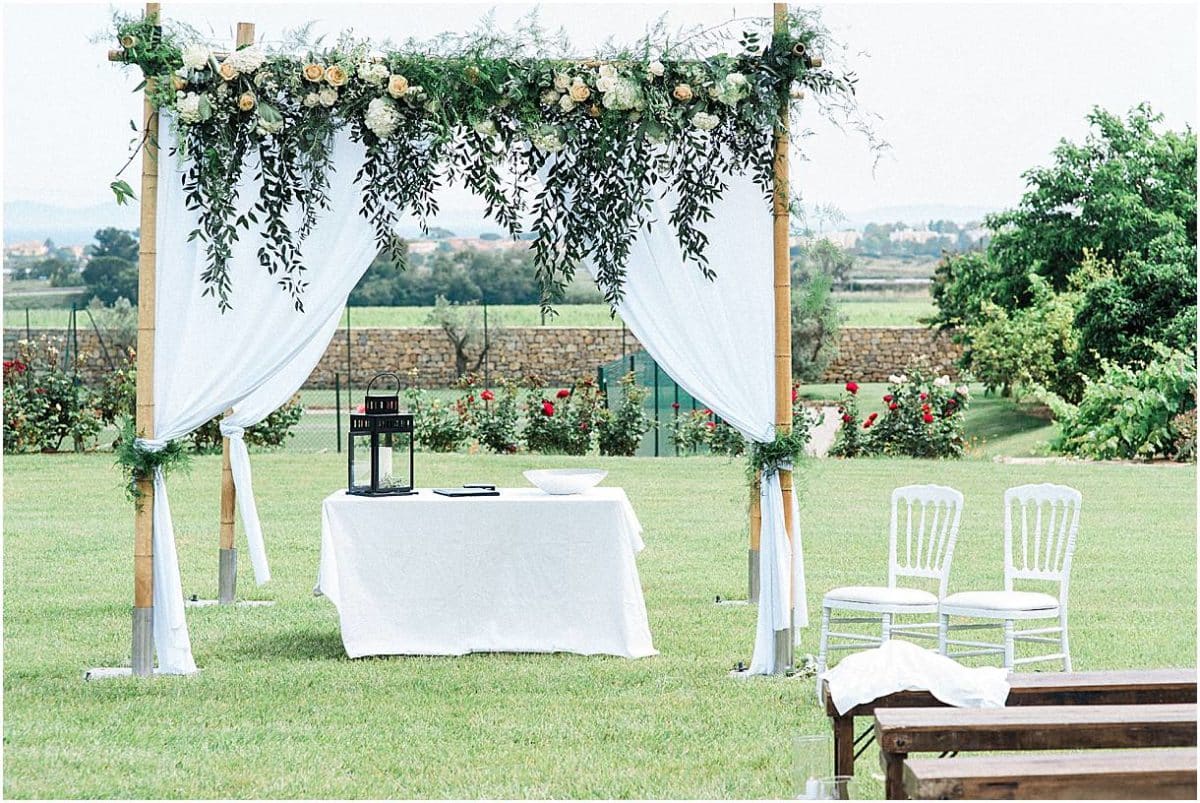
[
  {"x": 753, "y": 573},
  {"x": 227, "y": 555},
  {"x": 143, "y": 526},
  {"x": 784, "y": 647}
]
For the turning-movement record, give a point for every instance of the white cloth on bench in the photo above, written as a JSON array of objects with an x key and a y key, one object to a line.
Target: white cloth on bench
[{"x": 903, "y": 666}]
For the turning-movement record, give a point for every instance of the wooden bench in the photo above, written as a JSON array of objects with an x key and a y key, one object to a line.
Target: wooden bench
[
  {"x": 901, "y": 731},
  {"x": 1133, "y": 687},
  {"x": 1167, "y": 774}
]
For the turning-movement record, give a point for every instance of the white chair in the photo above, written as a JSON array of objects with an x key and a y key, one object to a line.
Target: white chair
[
  {"x": 931, "y": 515},
  {"x": 1044, "y": 554}
]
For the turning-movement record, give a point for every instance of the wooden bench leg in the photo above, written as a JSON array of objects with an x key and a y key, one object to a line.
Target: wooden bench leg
[
  {"x": 843, "y": 745},
  {"x": 893, "y": 772}
]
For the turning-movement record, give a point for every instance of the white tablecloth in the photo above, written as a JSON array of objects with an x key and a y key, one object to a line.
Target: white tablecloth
[{"x": 519, "y": 572}]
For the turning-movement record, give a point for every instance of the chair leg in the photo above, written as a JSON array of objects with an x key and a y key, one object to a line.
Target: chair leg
[
  {"x": 943, "y": 632},
  {"x": 887, "y": 627},
  {"x": 1066, "y": 645},
  {"x": 823, "y": 649},
  {"x": 1010, "y": 652}
]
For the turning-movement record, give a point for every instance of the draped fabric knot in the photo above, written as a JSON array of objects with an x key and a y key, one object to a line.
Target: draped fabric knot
[
  {"x": 150, "y": 445},
  {"x": 230, "y": 430}
]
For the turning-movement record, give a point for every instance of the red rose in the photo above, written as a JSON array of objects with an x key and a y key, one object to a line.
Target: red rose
[
  {"x": 707, "y": 411},
  {"x": 893, "y": 406},
  {"x": 846, "y": 419},
  {"x": 872, "y": 416},
  {"x": 710, "y": 424},
  {"x": 924, "y": 408},
  {"x": 887, "y": 398},
  {"x": 867, "y": 424},
  {"x": 470, "y": 399},
  {"x": 362, "y": 408},
  {"x": 951, "y": 401},
  {"x": 487, "y": 395},
  {"x": 794, "y": 394},
  {"x": 39, "y": 390},
  {"x": 924, "y": 396},
  {"x": 852, "y": 387},
  {"x": 564, "y": 393},
  {"x": 674, "y": 405},
  {"x": 583, "y": 426},
  {"x": 928, "y": 418},
  {"x": 547, "y": 408}
]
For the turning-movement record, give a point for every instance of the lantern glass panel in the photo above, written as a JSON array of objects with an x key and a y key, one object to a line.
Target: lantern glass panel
[
  {"x": 360, "y": 462},
  {"x": 395, "y": 470}
]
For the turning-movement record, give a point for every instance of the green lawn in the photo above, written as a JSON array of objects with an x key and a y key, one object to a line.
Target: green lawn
[
  {"x": 279, "y": 711},
  {"x": 859, "y": 309}
]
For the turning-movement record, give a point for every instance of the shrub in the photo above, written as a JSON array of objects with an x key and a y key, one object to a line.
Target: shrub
[
  {"x": 494, "y": 414},
  {"x": 43, "y": 403},
  {"x": 689, "y": 430},
  {"x": 1184, "y": 425},
  {"x": 620, "y": 430},
  {"x": 1130, "y": 412},
  {"x": 563, "y": 422},
  {"x": 118, "y": 391},
  {"x": 851, "y": 439},
  {"x": 726, "y": 440},
  {"x": 438, "y": 426},
  {"x": 923, "y": 418},
  {"x": 815, "y": 323},
  {"x": 270, "y": 433}
]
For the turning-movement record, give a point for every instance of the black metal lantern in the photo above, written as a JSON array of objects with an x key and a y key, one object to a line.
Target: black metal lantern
[{"x": 381, "y": 437}]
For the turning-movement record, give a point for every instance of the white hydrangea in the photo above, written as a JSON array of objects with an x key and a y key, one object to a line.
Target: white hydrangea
[
  {"x": 962, "y": 390},
  {"x": 624, "y": 95},
  {"x": 195, "y": 56},
  {"x": 485, "y": 128},
  {"x": 547, "y": 139},
  {"x": 608, "y": 71},
  {"x": 188, "y": 108},
  {"x": 382, "y": 117},
  {"x": 373, "y": 73},
  {"x": 606, "y": 84},
  {"x": 327, "y": 96},
  {"x": 656, "y": 69},
  {"x": 942, "y": 381},
  {"x": 246, "y": 60},
  {"x": 731, "y": 89},
  {"x": 897, "y": 379},
  {"x": 566, "y": 103},
  {"x": 311, "y": 99},
  {"x": 705, "y": 121},
  {"x": 550, "y": 97}
]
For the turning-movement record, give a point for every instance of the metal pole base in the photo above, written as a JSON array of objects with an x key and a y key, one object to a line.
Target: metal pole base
[
  {"x": 752, "y": 565},
  {"x": 784, "y": 649},
  {"x": 143, "y": 642},
  {"x": 227, "y": 577}
]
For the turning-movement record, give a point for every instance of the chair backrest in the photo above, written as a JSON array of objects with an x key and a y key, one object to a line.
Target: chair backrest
[
  {"x": 1040, "y": 524},
  {"x": 924, "y": 529}
]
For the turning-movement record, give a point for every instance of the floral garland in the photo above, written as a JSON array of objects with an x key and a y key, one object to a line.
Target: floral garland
[
  {"x": 785, "y": 450},
  {"x": 138, "y": 463},
  {"x": 600, "y": 136}
]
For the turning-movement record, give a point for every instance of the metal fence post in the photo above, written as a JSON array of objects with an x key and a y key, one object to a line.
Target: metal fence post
[
  {"x": 337, "y": 404},
  {"x": 349, "y": 361},
  {"x": 28, "y": 331},
  {"x": 657, "y": 428}
]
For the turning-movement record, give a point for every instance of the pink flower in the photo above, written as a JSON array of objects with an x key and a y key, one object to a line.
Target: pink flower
[
  {"x": 362, "y": 408},
  {"x": 710, "y": 424}
]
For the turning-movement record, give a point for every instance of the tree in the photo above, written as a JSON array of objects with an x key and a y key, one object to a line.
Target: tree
[
  {"x": 815, "y": 323},
  {"x": 824, "y": 258},
  {"x": 109, "y": 278},
  {"x": 112, "y": 242},
  {"x": 463, "y": 327}
]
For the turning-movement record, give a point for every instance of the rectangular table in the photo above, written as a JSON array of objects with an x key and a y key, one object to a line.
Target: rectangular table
[
  {"x": 1156, "y": 774},
  {"x": 1118, "y": 687},
  {"x": 901, "y": 731},
  {"x": 520, "y": 572}
]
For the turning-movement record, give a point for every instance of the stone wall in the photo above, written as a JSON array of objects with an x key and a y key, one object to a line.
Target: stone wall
[{"x": 866, "y": 354}]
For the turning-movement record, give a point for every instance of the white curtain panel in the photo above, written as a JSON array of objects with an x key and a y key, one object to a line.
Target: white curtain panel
[
  {"x": 717, "y": 340},
  {"x": 250, "y": 411},
  {"x": 207, "y": 361}
]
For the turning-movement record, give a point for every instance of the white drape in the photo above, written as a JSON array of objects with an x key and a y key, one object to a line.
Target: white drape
[
  {"x": 206, "y": 361},
  {"x": 250, "y": 411},
  {"x": 717, "y": 340}
]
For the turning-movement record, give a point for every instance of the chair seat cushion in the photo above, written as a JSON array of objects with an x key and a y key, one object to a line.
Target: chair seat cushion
[
  {"x": 1001, "y": 601},
  {"x": 881, "y": 595}
]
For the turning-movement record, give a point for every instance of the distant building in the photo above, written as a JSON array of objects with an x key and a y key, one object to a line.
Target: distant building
[
  {"x": 30, "y": 248},
  {"x": 455, "y": 244},
  {"x": 845, "y": 239},
  {"x": 914, "y": 236}
]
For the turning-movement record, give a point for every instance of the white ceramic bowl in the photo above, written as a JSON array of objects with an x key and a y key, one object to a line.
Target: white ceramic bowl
[{"x": 561, "y": 481}]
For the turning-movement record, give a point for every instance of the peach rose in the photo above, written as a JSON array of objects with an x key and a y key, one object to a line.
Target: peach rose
[
  {"x": 314, "y": 72},
  {"x": 579, "y": 91},
  {"x": 336, "y": 75},
  {"x": 683, "y": 93},
  {"x": 397, "y": 86},
  {"x": 227, "y": 71},
  {"x": 178, "y": 83},
  {"x": 246, "y": 101}
]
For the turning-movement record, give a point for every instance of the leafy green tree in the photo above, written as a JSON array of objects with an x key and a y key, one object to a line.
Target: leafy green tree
[
  {"x": 112, "y": 242},
  {"x": 824, "y": 258},
  {"x": 60, "y": 272},
  {"x": 815, "y": 324},
  {"x": 110, "y": 277}
]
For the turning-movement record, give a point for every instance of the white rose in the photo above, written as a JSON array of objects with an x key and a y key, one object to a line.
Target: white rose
[
  {"x": 657, "y": 69},
  {"x": 327, "y": 96},
  {"x": 311, "y": 100},
  {"x": 705, "y": 121},
  {"x": 962, "y": 390},
  {"x": 608, "y": 71},
  {"x": 566, "y": 103},
  {"x": 550, "y": 97},
  {"x": 188, "y": 108},
  {"x": 547, "y": 140},
  {"x": 382, "y": 117},
  {"x": 195, "y": 56},
  {"x": 561, "y": 81},
  {"x": 485, "y": 128},
  {"x": 606, "y": 84},
  {"x": 942, "y": 381}
]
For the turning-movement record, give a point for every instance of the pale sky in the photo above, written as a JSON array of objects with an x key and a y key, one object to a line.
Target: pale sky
[{"x": 968, "y": 96}]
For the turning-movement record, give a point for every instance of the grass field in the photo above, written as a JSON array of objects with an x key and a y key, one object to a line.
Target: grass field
[
  {"x": 279, "y": 711},
  {"x": 859, "y": 309}
]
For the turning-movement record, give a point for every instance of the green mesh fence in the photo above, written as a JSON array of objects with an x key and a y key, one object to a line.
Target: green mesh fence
[{"x": 660, "y": 404}]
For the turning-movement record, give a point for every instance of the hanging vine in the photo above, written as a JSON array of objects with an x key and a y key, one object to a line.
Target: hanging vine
[{"x": 575, "y": 150}]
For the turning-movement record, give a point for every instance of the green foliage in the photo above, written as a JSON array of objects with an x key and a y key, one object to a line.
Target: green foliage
[
  {"x": 923, "y": 419},
  {"x": 137, "y": 463},
  {"x": 437, "y": 425},
  {"x": 497, "y": 277},
  {"x": 724, "y": 439},
  {"x": 113, "y": 242},
  {"x": 1032, "y": 346},
  {"x": 620, "y": 430},
  {"x": 494, "y": 412},
  {"x": 1131, "y": 412},
  {"x": 963, "y": 283},
  {"x": 785, "y": 450},
  {"x": 43, "y": 404},
  {"x": 117, "y": 397},
  {"x": 603, "y": 135},
  {"x": 563, "y": 422},
  {"x": 815, "y": 325},
  {"x": 111, "y": 278},
  {"x": 822, "y": 257},
  {"x": 690, "y": 430},
  {"x": 851, "y": 438},
  {"x": 60, "y": 272},
  {"x": 270, "y": 433},
  {"x": 463, "y": 325}
]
